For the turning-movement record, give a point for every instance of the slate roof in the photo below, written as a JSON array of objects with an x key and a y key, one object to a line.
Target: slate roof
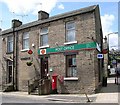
[{"x": 53, "y": 18}]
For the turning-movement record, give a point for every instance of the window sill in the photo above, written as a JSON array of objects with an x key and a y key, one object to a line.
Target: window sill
[
  {"x": 44, "y": 46},
  {"x": 9, "y": 52},
  {"x": 71, "y": 78},
  {"x": 73, "y": 42},
  {"x": 24, "y": 50}
]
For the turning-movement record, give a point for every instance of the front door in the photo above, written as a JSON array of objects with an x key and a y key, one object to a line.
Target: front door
[
  {"x": 9, "y": 68},
  {"x": 44, "y": 67}
]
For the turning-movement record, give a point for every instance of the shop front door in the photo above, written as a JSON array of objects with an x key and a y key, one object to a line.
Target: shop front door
[{"x": 44, "y": 68}]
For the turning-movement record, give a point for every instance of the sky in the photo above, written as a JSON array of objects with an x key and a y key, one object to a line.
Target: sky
[{"x": 27, "y": 10}]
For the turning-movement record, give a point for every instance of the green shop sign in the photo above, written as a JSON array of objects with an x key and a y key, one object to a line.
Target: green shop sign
[{"x": 67, "y": 48}]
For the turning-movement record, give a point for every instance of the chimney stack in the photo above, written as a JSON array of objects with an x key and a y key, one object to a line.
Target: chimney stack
[
  {"x": 16, "y": 23},
  {"x": 42, "y": 15}
]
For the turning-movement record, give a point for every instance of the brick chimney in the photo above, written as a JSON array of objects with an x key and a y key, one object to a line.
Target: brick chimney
[{"x": 42, "y": 15}]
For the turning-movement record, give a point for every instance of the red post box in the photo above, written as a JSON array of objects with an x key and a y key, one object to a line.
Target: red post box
[{"x": 54, "y": 83}]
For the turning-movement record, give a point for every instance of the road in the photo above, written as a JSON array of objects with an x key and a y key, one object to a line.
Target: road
[
  {"x": 107, "y": 94},
  {"x": 43, "y": 100},
  {"x": 6, "y": 98},
  {"x": 46, "y": 99}
]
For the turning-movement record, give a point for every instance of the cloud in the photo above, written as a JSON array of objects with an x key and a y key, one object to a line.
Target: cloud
[
  {"x": 29, "y": 6},
  {"x": 107, "y": 24},
  {"x": 61, "y": 6}
]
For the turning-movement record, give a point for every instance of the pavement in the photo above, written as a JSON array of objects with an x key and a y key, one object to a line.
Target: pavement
[{"x": 109, "y": 94}]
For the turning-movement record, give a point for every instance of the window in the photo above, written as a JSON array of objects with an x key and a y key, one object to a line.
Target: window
[
  {"x": 70, "y": 31},
  {"x": 71, "y": 69},
  {"x": 44, "y": 37},
  {"x": 10, "y": 44},
  {"x": 9, "y": 67},
  {"x": 25, "y": 40}
]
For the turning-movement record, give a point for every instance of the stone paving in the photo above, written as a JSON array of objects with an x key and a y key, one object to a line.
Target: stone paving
[{"x": 109, "y": 94}]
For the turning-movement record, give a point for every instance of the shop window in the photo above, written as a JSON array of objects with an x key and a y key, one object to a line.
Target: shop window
[
  {"x": 44, "y": 37},
  {"x": 25, "y": 40},
  {"x": 10, "y": 44},
  {"x": 71, "y": 68},
  {"x": 70, "y": 31}
]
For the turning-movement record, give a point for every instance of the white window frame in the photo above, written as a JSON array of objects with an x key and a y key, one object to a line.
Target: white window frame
[
  {"x": 42, "y": 33},
  {"x": 9, "y": 44},
  {"x": 25, "y": 39},
  {"x": 67, "y": 39}
]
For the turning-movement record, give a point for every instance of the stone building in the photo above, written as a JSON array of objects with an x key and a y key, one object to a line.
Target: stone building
[
  {"x": 0, "y": 61},
  {"x": 64, "y": 45}
]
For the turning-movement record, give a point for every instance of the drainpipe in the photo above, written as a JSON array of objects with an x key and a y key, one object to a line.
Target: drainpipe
[
  {"x": 13, "y": 26},
  {"x": 16, "y": 64}
]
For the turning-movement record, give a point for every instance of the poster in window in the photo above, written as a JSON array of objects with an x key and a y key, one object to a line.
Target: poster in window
[{"x": 74, "y": 61}]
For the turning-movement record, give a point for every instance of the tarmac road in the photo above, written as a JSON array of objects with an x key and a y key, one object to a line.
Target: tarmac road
[
  {"x": 12, "y": 98},
  {"x": 108, "y": 96}
]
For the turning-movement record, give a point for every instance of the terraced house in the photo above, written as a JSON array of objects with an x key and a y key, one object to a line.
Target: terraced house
[{"x": 57, "y": 53}]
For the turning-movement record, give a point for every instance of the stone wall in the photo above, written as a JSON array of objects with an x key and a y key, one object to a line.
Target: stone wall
[{"x": 0, "y": 61}]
